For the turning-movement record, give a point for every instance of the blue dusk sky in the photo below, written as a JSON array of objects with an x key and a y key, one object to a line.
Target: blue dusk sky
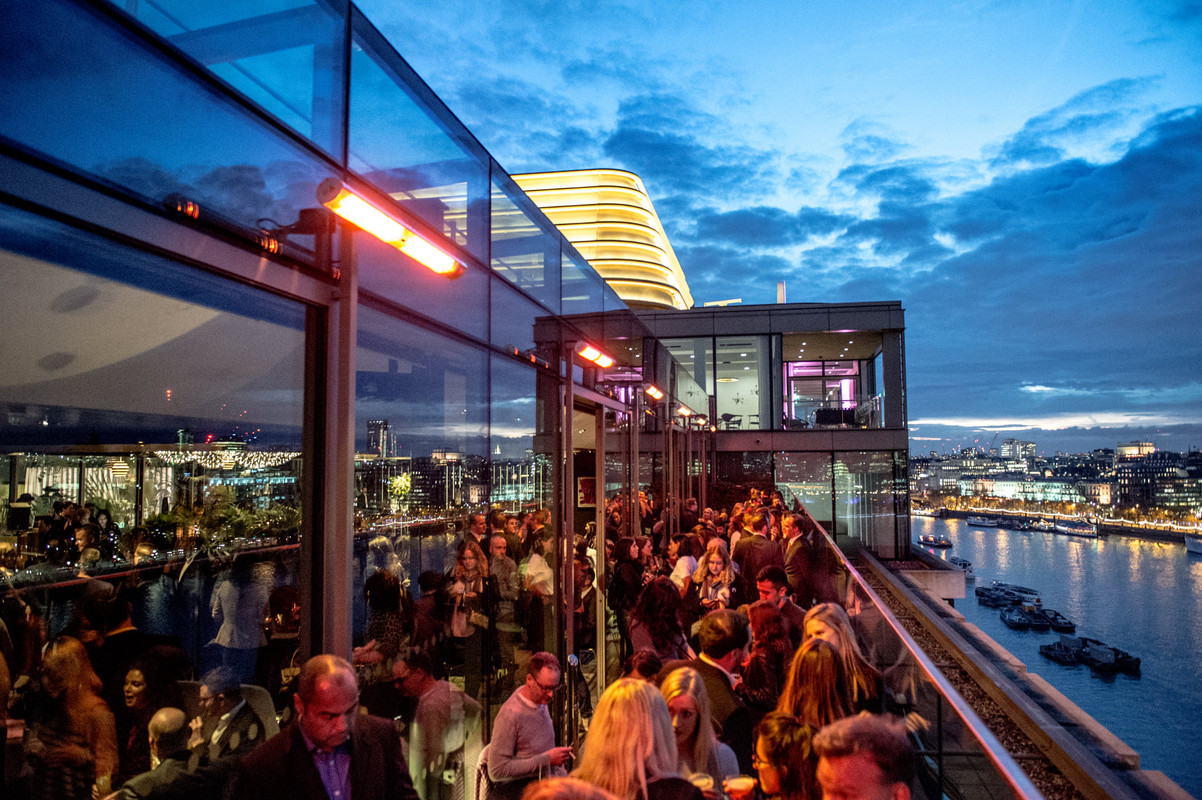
[{"x": 1025, "y": 176}]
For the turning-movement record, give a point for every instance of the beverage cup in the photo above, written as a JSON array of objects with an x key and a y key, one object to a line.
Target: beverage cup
[
  {"x": 702, "y": 780},
  {"x": 739, "y": 787}
]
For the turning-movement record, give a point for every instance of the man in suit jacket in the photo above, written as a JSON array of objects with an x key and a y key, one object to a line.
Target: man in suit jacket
[
  {"x": 171, "y": 779},
  {"x": 755, "y": 550},
  {"x": 724, "y": 636},
  {"x": 773, "y": 586},
  {"x": 332, "y": 751}
]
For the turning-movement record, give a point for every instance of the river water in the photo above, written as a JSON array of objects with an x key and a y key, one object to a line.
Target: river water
[{"x": 1142, "y": 597}]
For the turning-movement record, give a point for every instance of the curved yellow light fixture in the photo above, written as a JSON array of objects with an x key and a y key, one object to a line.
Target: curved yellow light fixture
[{"x": 608, "y": 215}]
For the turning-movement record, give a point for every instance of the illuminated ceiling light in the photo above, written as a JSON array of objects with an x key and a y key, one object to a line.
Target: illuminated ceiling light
[
  {"x": 590, "y": 353},
  {"x": 728, "y": 380},
  {"x": 655, "y": 393},
  {"x": 359, "y": 212},
  {"x": 684, "y": 411}
]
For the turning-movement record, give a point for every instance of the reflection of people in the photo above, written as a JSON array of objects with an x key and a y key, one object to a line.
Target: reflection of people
[
  {"x": 865, "y": 757},
  {"x": 239, "y": 607},
  {"x": 72, "y": 746},
  {"x": 332, "y": 750},
  {"x": 444, "y": 718}
]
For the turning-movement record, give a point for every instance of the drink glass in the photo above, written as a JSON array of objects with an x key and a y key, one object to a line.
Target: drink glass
[{"x": 739, "y": 787}]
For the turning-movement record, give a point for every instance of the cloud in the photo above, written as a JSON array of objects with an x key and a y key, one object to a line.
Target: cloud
[
  {"x": 1094, "y": 118},
  {"x": 765, "y": 226}
]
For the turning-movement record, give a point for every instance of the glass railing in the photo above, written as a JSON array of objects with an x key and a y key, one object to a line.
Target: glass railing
[
  {"x": 958, "y": 756},
  {"x": 824, "y": 414}
]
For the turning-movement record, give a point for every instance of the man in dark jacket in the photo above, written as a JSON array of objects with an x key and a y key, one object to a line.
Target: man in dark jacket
[
  {"x": 724, "y": 636},
  {"x": 755, "y": 550},
  {"x": 332, "y": 750}
]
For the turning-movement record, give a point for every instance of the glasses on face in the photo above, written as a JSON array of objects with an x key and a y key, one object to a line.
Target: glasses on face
[{"x": 547, "y": 689}]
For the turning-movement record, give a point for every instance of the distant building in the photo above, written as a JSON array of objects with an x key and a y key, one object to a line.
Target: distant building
[{"x": 1134, "y": 450}]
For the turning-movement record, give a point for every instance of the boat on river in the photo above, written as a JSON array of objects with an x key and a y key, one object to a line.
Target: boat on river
[
  {"x": 1077, "y": 528},
  {"x": 983, "y": 522},
  {"x": 1016, "y": 617},
  {"x": 1193, "y": 542},
  {"x": 1064, "y": 651},
  {"x": 932, "y": 540},
  {"x": 1057, "y": 621},
  {"x": 963, "y": 565},
  {"x": 1025, "y": 594},
  {"x": 1102, "y": 657}
]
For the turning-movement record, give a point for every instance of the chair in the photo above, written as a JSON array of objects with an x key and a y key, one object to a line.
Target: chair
[
  {"x": 259, "y": 700},
  {"x": 732, "y": 422}
]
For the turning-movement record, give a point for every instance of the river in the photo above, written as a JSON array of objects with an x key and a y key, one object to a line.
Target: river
[{"x": 1140, "y": 596}]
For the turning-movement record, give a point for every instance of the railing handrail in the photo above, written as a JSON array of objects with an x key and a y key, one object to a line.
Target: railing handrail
[{"x": 1018, "y": 781}]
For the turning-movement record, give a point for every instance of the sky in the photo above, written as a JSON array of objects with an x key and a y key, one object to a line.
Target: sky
[{"x": 1025, "y": 176}]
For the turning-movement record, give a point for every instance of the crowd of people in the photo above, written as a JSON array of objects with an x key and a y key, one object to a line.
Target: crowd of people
[{"x": 737, "y": 659}]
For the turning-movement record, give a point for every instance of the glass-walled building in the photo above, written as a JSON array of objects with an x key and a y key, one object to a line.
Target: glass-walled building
[
  {"x": 218, "y": 396},
  {"x": 808, "y": 398}
]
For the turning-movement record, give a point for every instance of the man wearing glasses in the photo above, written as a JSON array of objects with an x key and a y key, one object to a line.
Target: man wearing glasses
[{"x": 523, "y": 748}]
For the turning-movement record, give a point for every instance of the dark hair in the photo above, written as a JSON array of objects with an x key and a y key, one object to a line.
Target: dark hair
[
  {"x": 658, "y": 609},
  {"x": 689, "y": 545},
  {"x": 383, "y": 591},
  {"x": 645, "y": 663},
  {"x": 758, "y": 521},
  {"x": 622, "y": 549},
  {"x": 768, "y": 625},
  {"x": 222, "y": 680},
  {"x": 540, "y": 661},
  {"x": 816, "y": 689},
  {"x": 419, "y": 660},
  {"x": 722, "y": 631},
  {"x": 774, "y": 575},
  {"x": 788, "y": 743},
  {"x": 883, "y": 738},
  {"x": 429, "y": 581}
]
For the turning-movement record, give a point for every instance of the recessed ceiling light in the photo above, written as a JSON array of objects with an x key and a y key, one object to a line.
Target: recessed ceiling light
[
  {"x": 743, "y": 355},
  {"x": 746, "y": 367}
]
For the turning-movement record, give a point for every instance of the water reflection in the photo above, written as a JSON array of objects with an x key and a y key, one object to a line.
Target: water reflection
[{"x": 1141, "y": 596}]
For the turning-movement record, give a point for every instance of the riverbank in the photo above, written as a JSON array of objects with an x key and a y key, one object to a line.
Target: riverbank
[{"x": 1104, "y": 528}]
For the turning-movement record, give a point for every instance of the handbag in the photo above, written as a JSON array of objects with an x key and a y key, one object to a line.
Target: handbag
[{"x": 478, "y": 619}]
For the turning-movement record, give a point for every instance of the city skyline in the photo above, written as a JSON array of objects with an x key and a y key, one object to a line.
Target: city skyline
[{"x": 1025, "y": 177}]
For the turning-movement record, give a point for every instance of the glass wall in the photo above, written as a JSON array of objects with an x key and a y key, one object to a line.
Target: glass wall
[
  {"x": 807, "y": 477},
  {"x": 285, "y": 56},
  {"x": 153, "y": 418},
  {"x": 744, "y": 383},
  {"x": 871, "y": 500}
]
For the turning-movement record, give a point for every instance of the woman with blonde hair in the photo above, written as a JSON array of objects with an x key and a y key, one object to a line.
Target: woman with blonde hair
[
  {"x": 71, "y": 747},
  {"x": 816, "y": 690},
  {"x": 697, "y": 747},
  {"x": 630, "y": 750},
  {"x": 829, "y": 622},
  {"x": 716, "y": 584}
]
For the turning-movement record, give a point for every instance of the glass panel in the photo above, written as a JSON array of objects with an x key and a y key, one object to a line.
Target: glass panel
[
  {"x": 102, "y": 111},
  {"x": 459, "y": 303},
  {"x": 696, "y": 355},
  {"x": 583, "y": 289},
  {"x": 421, "y": 468},
  {"x": 744, "y": 398},
  {"x": 286, "y": 55},
  {"x": 398, "y": 144},
  {"x": 513, "y": 316},
  {"x": 806, "y": 477},
  {"x": 525, "y": 250},
  {"x": 170, "y": 402},
  {"x": 865, "y": 500}
]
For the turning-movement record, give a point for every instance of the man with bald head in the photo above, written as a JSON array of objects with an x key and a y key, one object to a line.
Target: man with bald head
[
  {"x": 169, "y": 733},
  {"x": 331, "y": 751}
]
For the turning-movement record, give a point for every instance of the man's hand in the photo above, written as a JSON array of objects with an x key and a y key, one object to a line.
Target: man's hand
[{"x": 560, "y": 756}]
